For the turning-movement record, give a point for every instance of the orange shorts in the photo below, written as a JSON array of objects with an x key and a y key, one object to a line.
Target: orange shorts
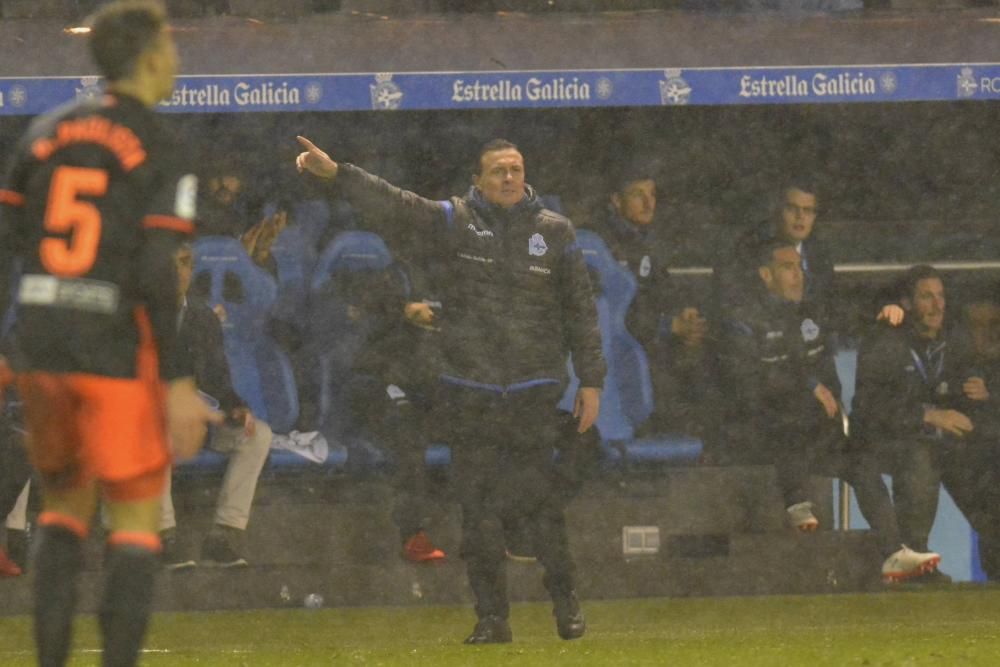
[{"x": 83, "y": 428}]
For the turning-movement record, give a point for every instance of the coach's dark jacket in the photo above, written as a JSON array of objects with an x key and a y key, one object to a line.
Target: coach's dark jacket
[
  {"x": 891, "y": 392},
  {"x": 773, "y": 355},
  {"x": 202, "y": 353},
  {"x": 518, "y": 296}
]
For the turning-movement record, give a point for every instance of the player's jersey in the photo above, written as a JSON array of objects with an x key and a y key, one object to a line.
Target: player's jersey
[{"x": 93, "y": 208}]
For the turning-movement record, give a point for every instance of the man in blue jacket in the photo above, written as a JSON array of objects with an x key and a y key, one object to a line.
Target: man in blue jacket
[{"x": 518, "y": 301}]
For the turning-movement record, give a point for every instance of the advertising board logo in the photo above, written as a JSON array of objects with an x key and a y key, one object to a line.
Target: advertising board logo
[
  {"x": 605, "y": 88},
  {"x": 673, "y": 88},
  {"x": 887, "y": 82},
  {"x": 314, "y": 93},
  {"x": 967, "y": 85},
  {"x": 385, "y": 93},
  {"x": 17, "y": 96},
  {"x": 89, "y": 88}
]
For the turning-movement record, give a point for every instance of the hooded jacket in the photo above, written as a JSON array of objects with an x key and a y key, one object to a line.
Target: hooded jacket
[{"x": 517, "y": 296}]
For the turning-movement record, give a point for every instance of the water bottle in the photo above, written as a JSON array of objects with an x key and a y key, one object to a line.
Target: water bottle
[
  {"x": 285, "y": 595},
  {"x": 313, "y": 601}
]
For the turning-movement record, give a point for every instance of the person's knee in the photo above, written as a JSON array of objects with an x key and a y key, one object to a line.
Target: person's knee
[
  {"x": 483, "y": 540},
  {"x": 78, "y": 503},
  {"x": 134, "y": 504},
  {"x": 134, "y": 516},
  {"x": 923, "y": 472},
  {"x": 261, "y": 440}
]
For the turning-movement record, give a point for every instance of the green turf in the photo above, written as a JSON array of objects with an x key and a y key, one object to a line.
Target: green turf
[{"x": 942, "y": 628}]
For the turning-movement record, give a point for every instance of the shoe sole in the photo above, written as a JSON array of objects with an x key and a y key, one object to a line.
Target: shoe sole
[
  {"x": 808, "y": 527},
  {"x": 521, "y": 559},
  {"x": 225, "y": 565},
  {"x": 435, "y": 556},
  {"x": 925, "y": 568},
  {"x": 180, "y": 567}
]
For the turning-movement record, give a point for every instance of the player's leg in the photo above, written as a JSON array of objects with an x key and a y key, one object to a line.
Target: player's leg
[
  {"x": 58, "y": 560},
  {"x": 131, "y": 563},
  {"x": 51, "y": 409},
  {"x": 122, "y": 429}
]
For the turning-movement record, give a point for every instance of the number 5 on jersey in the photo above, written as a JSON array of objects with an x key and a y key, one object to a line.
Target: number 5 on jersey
[{"x": 66, "y": 213}]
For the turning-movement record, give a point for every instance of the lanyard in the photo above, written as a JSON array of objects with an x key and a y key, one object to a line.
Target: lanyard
[{"x": 919, "y": 363}]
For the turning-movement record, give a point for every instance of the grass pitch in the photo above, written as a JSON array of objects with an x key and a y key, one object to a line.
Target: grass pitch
[{"x": 960, "y": 626}]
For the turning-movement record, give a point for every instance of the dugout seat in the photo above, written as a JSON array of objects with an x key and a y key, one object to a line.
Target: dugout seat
[
  {"x": 627, "y": 399},
  {"x": 335, "y": 336},
  {"x": 260, "y": 370},
  {"x": 226, "y": 275}
]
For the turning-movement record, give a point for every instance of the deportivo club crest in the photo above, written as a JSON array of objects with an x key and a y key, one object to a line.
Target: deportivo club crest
[
  {"x": 674, "y": 89},
  {"x": 89, "y": 88},
  {"x": 810, "y": 330},
  {"x": 645, "y": 266},
  {"x": 967, "y": 83},
  {"x": 385, "y": 93},
  {"x": 536, "y": 245}
]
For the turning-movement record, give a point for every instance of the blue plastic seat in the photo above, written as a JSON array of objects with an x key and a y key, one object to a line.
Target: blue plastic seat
[
  {"x": 228, "y": 267},
  {"x": 335, "y": 339},
  {"x": 627, "y": 399},
  {"x": 260, "y": 370},
  {"x": 281, "y": 461},
  {"x": 294, "y": 256}
]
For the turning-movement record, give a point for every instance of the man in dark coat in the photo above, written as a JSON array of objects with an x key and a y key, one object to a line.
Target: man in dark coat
[{"x": 518, "y": 301}]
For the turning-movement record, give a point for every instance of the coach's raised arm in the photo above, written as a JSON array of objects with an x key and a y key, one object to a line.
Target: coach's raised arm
[{"x": 375, "y": 195}]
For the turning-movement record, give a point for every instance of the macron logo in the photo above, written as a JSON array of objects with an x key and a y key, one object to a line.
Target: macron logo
[{"x": 480, "y": 232}]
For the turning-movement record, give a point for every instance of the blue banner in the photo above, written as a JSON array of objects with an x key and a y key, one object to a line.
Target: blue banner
[{"x": 537, "y": 90}]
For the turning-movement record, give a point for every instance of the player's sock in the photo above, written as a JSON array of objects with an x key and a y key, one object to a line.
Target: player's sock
[
  {"x": 132, "y": 562},
  {"x": 57, "y": 564}
]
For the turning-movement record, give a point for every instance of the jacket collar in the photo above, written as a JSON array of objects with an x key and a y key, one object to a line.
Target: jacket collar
[
  {"x": 529, "y": 205},
  {"x": 626, "y": 231}
]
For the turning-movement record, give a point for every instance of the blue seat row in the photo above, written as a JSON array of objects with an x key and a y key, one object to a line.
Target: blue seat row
[{"x": 305, "y": 292}]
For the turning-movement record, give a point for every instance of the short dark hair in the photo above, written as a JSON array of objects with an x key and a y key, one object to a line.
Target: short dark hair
[
  {"x": 630, "y": 173},
  {"x": 804, "y": 182},
  {"x": 765, "y": 250},
  {"x": 908, "y": 283},
  {"x": 120, "y": 32},
  {"x": 490, "y": 146}
]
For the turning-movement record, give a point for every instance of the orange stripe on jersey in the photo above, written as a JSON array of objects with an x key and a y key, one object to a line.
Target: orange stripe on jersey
[
  {"x": 168, "y": 222},
  {"x": 148, "y": 541},
  {"x": 70, "y": 523},
  {"x": 11, "y": 198}
]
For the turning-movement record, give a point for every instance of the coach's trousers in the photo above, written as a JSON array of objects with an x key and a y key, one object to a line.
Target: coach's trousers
[{"x": 502, "y": 462}]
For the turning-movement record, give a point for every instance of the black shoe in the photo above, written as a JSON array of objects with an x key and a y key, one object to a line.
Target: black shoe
[
  {"x": 570, "y": 623},
  {"x": 216, "y": 551},
  {"x": 490, "y": 630},
  {"x": 171, "y": 556}
]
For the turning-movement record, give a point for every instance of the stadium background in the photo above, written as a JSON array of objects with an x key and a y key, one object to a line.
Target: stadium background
[{"x": 904, "y": 181}]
